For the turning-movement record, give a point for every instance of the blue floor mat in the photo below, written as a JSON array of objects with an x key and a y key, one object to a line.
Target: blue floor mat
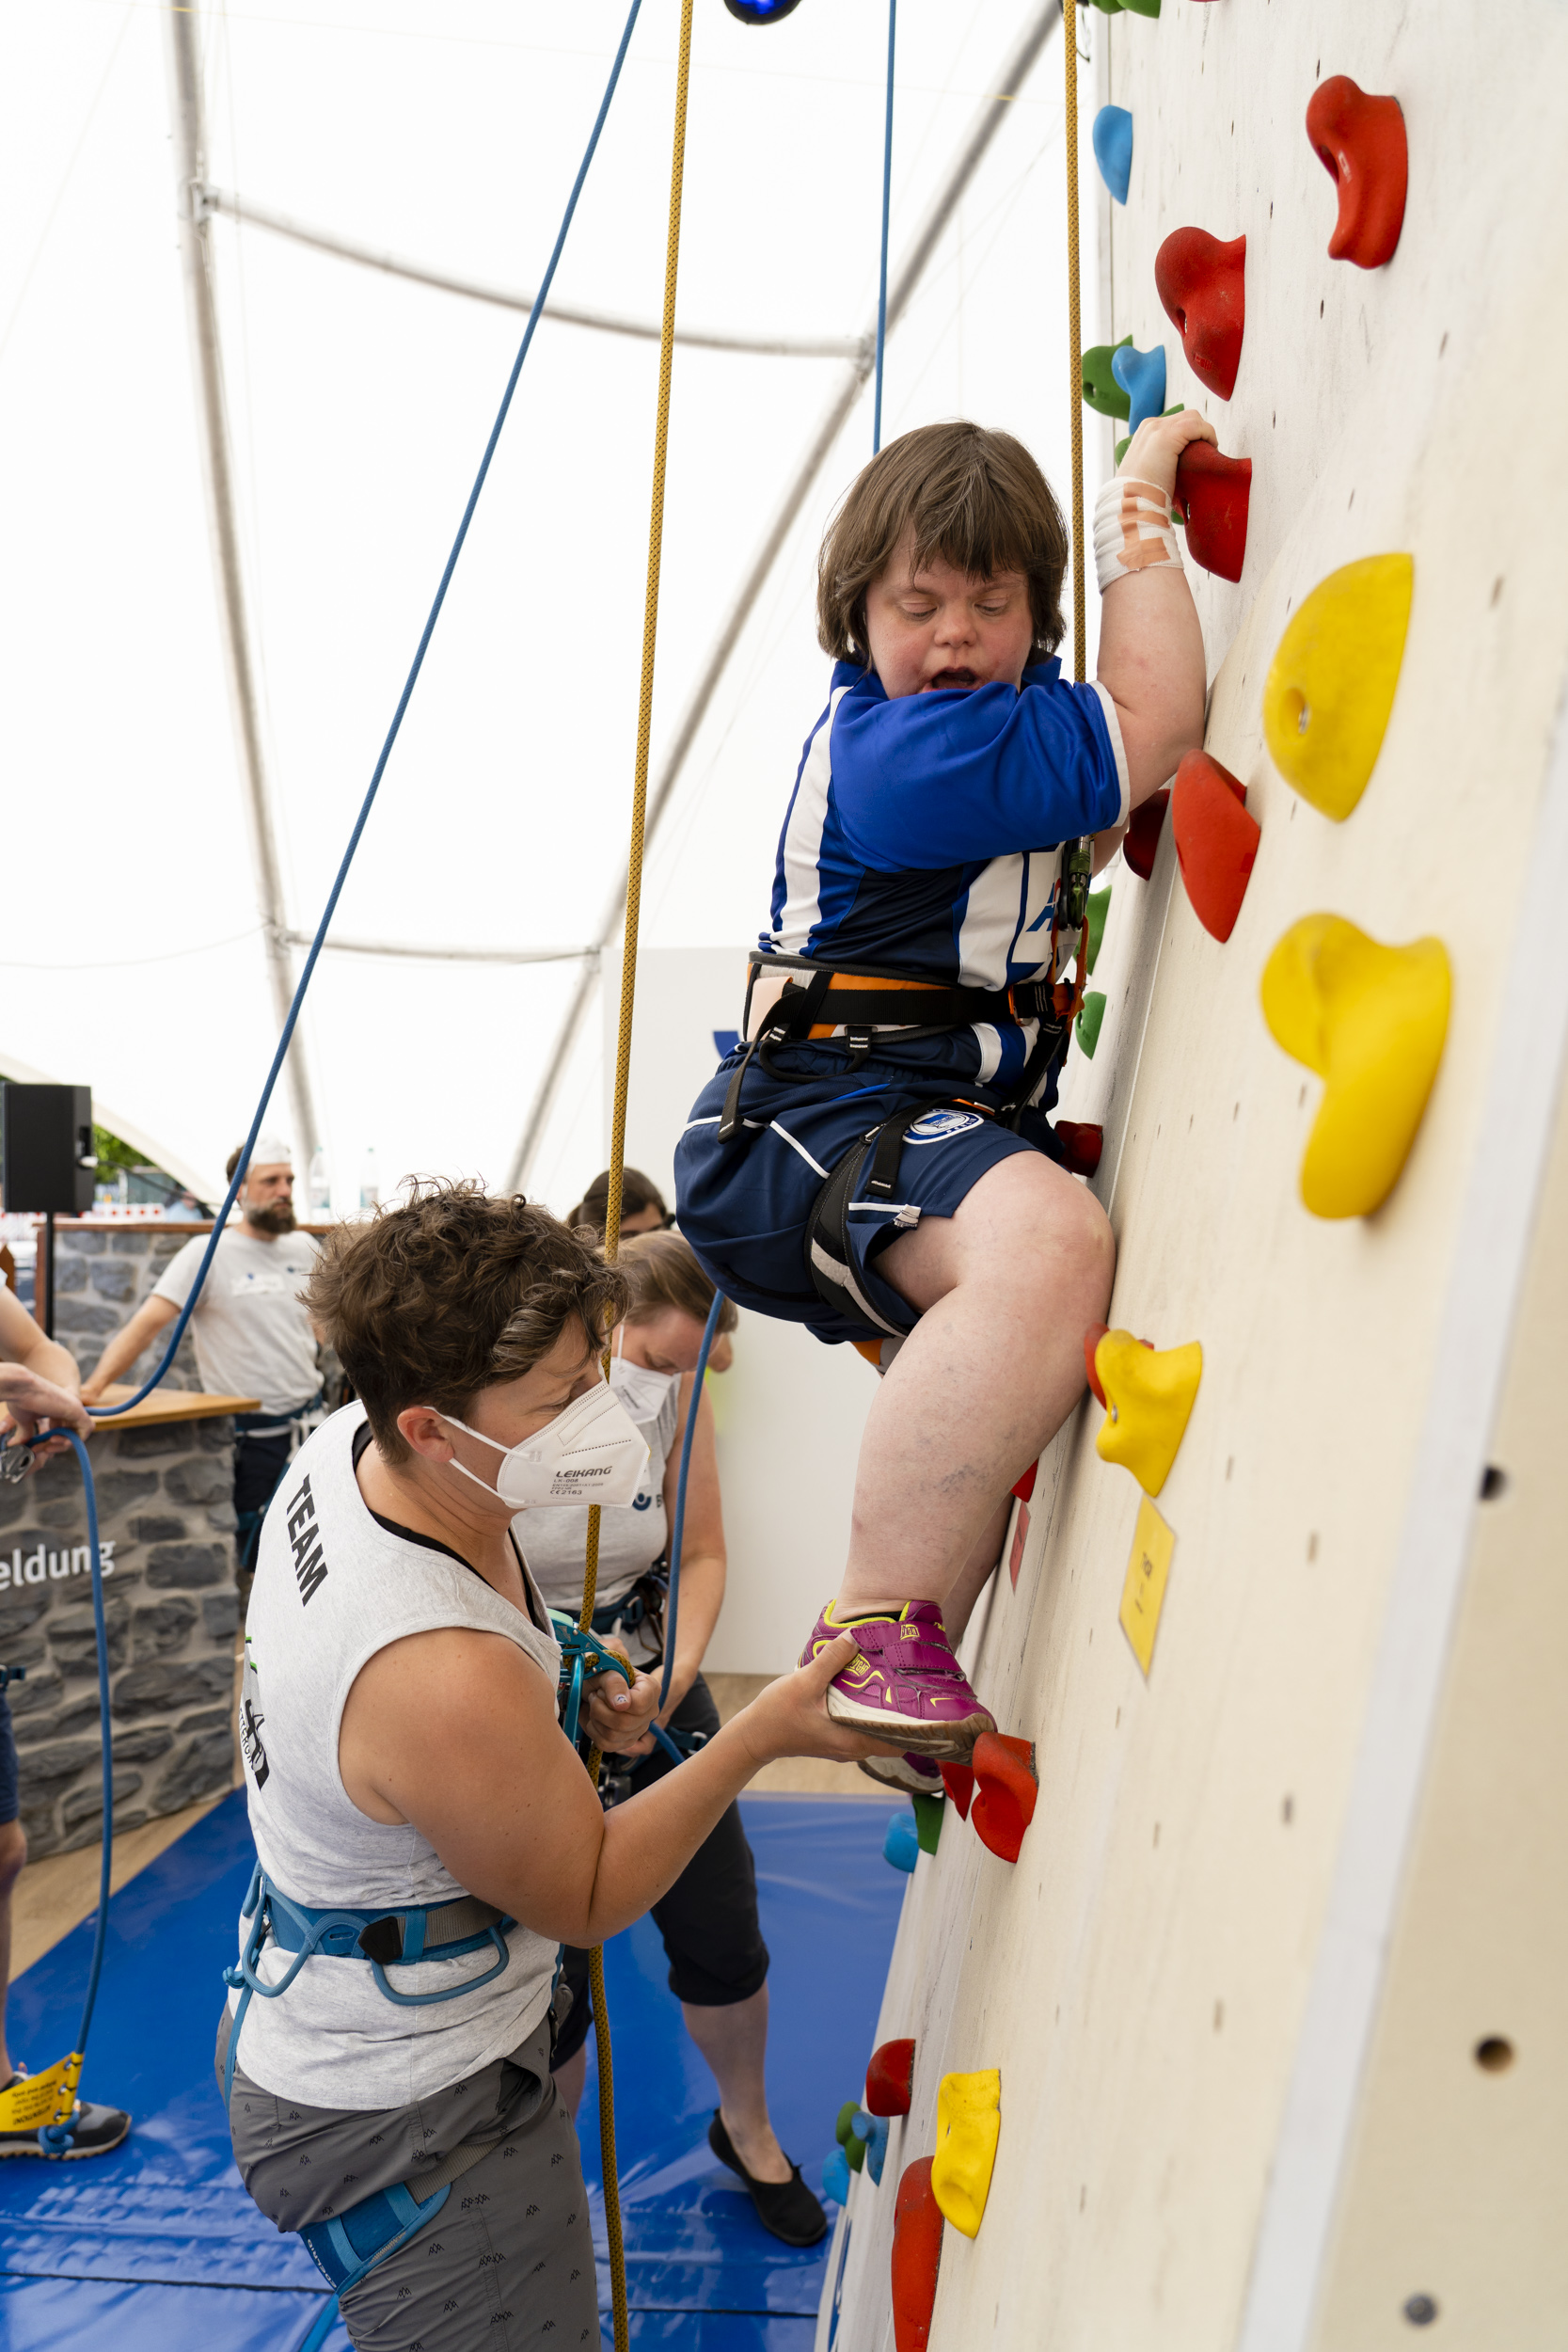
[{"x": 160, "y": 2242}]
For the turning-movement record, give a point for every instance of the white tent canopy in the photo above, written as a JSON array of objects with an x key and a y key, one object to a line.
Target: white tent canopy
[{"x": 358, "y": 404}]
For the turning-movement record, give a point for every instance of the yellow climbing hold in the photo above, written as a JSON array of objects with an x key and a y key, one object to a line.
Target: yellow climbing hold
[
  {"x": 1331, "y": 684},
  {"x": 1149, "y": 1401},
  {"x": 969, "y": 2123},
  {"x": 1371, "y": 1020}
]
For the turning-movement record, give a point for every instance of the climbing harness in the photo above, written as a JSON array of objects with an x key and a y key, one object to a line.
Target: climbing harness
[
  {"x": 45, "y": 2103},
  {"x": 852, "y": 1003},
  {"x": 386, "y": 1939}
]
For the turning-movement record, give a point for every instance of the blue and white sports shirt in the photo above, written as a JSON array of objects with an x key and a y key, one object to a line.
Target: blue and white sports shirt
[{"x": 923, "y": 834}]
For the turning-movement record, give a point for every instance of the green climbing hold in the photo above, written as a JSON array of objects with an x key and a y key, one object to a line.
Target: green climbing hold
[
  {"x": 844, "y": 2132},
  {"x": 1088, "y": 1024},
  {"x": 928, "y": 1822},
  {"x": 1098, "y": 908},
  {"x": 1101, "y": 388},
  {"x": 1133, "y": 7}
]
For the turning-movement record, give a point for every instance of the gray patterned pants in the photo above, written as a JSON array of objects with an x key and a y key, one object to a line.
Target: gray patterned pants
[{"x": 508, "y": 2262}]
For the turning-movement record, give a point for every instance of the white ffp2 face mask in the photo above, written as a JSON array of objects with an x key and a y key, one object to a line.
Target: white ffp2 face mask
[
  {"x": 641, "y": 1389},
  {"x": 592, "y": 1452}
]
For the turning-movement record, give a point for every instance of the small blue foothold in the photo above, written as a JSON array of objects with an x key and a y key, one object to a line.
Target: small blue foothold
[
  {"x": 875, "y": 2147},
  {"x": 1142, "y": 378},
  {"x": 901, "y": 1846},
  {"x": 1112, "y": 149},
  {"x": 836, "y": 2177}
]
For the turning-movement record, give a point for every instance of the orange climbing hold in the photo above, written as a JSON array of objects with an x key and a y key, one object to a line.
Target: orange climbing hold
[
  {"x": 1142, "y": 839},
  {"x": 1360, "y": 142},
  {"x": 890, "y": 2079},
  {"x": 1373, "y": 1021},
  {"x": 958, "y": 1781},
  {"x": 1005, "y": 1792},
  {"x": 1216, "y": 841},
  {"x": 1202, "y": 282},
  {"x": 1214, "y": 493},
  {"x": 1149, "y": 1396},
  {"x": 916, "y": 2257}
]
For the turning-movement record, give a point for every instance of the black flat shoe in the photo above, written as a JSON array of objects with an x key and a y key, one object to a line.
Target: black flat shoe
[{"x": 787, "y": 2208}]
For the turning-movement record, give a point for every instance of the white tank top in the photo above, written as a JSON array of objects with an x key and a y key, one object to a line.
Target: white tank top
[
  {"x": 631, "y": 1538},
  {"x": 333, "y": 1585}
]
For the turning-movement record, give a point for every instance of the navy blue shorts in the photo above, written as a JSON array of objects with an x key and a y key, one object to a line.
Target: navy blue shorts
[
  {"x": 9, "y": 1803},
  {"x": 744, "y": 1205}
]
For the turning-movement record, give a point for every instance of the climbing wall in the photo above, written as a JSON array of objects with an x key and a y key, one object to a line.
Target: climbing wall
[{"x": 1273, "y": 1987}]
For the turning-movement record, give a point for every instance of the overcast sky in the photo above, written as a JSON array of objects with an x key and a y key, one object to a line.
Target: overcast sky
[{"x": 129, "y": 953}]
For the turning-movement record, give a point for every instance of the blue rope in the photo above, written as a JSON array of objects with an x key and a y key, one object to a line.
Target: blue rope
[
  {"x": 679, "y": 1529},
  {"x": 887, "y": 201},
  {"x": 109, "y": 1412}
]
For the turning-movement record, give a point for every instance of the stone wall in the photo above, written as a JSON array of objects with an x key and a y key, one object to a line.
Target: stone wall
[{"x": 167, "y": 1529}]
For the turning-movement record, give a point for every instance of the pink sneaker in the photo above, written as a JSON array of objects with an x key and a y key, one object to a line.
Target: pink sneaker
[
  {"x": 916, "y": 1774},
  {"x": 905, "y": 1684}
]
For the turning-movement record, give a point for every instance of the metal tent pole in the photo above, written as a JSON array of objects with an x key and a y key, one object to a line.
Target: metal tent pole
[
  {"x": 983, "y": 128},
  {"x": 190, "y": 167}
]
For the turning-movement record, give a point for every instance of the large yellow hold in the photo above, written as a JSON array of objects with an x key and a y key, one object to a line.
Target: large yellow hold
[
  {"x": 1331, "y": 684},
  {"x": 968, "y": 2124},
  {"x": 1149, "y": 1402},
  {"x": 1371, "y": 1020}
]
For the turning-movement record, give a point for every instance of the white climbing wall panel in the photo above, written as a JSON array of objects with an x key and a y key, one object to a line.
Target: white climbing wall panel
[{"x": 1274, "y": 1899}]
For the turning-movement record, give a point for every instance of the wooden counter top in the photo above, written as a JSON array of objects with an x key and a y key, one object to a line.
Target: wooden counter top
[{"x": 173, "y": 1404}]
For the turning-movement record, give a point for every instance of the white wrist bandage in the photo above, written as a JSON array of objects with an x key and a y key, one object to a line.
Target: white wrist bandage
[{"x": 1132, "y": 529}]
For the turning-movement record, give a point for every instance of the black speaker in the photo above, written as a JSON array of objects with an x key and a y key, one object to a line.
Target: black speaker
[{"x": 46, "y": 1156}]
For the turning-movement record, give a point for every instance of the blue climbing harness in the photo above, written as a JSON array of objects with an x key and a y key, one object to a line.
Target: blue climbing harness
[{"x": 385, "y": 1938}]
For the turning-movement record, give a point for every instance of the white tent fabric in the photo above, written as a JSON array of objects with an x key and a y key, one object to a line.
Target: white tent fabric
[{"x": 131, "y": 951}]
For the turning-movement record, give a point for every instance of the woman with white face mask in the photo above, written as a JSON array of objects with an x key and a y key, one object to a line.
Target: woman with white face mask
[{"x": 708, "y": 1920}]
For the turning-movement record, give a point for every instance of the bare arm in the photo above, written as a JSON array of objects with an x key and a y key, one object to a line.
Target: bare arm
[
  {"x": 23, "y": 1343},
  {"x": 127, "y": 1344},
  {"x": 456, "y": 1732},
  {"x": 1150, "y": 644}
]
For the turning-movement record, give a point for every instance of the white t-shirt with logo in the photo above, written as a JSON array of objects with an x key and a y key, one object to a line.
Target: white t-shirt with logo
[{"x": 253, "y": 1337}]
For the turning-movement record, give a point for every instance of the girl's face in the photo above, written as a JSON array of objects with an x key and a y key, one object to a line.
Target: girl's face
[{"x": 938, "y": 628}]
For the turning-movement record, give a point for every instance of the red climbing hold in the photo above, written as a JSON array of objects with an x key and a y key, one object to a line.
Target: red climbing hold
[
  {"x": 916, "y": 2257},
  {"x": 1024, "y": 1488},
  {"x": 1216, "y": 841},
  {"x": 1005, "y": 1791},
  {"x": 958, "y": 1781},
  {"x": 1361, "y": 144},
  {"x": 1213, "y": 492},
  {"x": 1092, "y": 1338},
  {"x": 1082, "y": 1145},
  {"x": 1201, "y": 282},
  {"x": 1143, "y": 833},
  {"x": 890, "y": 2079}
]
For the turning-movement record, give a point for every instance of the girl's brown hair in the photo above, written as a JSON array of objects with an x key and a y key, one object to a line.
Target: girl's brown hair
[
  {"x": 662, "y": 1271},
  {"x": 974, "y": 496}
]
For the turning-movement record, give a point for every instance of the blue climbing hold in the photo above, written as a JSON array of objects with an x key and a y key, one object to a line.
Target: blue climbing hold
[
  {"x": 901, "y": 1846},
  {"x": 1142, "y": 378},
  {"x": 876, "y": 2139},
  {"x": 1112, "y": 149},
  {"x": 836, "y": 2177},
  {"x": 760, "y": 12}
]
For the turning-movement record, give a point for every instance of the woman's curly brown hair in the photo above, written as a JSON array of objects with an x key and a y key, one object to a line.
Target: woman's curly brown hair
[{"x": 450, "y": 1290}]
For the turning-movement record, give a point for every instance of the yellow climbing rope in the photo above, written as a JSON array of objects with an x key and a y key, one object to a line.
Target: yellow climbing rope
[
  {"x": 1074, "y": 336},
  {"x": 623, "y": 1070}
]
